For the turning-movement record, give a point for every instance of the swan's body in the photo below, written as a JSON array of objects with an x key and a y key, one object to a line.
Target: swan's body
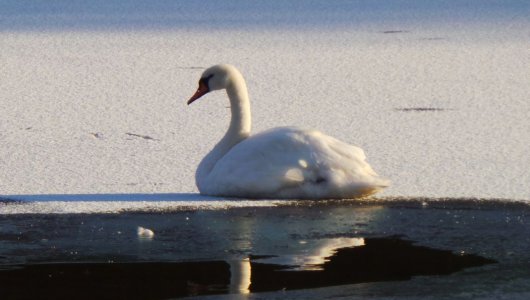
[{"x": 283, "y": 162}]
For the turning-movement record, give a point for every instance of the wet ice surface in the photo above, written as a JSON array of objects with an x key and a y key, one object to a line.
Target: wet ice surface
[{"x": 303, "y": 236}]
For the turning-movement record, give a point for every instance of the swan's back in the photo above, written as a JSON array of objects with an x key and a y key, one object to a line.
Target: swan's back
[{"x": 289, "y": 162}]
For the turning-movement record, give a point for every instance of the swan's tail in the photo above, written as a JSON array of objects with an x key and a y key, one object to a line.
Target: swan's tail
[
  {"x": 367, "y": 191},
  {"x": 371, "y": 188}
]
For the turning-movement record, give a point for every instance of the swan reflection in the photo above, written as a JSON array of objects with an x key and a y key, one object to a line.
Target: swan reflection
[
  {"x": 240, "y": 276},
  {"x": 328, "y": 262},
  {"x": 315, "y": 255},
  {"x": 318, "y": 252},
  {"x": 322, "y": 263}
]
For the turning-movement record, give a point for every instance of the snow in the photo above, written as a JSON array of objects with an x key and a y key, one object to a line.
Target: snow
[
  {"x": 93, "y": 94},
  {"x": 124, "y": 203}
]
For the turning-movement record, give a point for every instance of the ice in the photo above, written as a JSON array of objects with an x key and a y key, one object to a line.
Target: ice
[
  {"x": 93, "y": 94},
  {"x": 123, "y": 203}
]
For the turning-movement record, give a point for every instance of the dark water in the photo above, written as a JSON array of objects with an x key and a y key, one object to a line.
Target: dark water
[
  {"x": 445, "y": 249},
  {"x": 379, "y": 259}
]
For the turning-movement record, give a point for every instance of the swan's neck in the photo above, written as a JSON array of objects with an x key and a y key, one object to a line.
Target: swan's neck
[
  {"x": 240, "y": 108},
  {"x": 238, "y": 130}
]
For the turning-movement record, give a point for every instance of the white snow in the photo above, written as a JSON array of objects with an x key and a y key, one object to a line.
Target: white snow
[
  {"x": 92, "y": 96},
  {"x": 124, "y": 203}
]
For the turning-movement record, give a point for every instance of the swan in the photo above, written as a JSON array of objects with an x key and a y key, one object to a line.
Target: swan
[{"x": 280, "y": 163}]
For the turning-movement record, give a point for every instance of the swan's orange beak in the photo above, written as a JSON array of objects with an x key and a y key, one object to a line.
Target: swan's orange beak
[{"x": 201, "y": 91}]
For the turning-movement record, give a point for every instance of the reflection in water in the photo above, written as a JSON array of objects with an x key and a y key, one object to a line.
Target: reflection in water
[
  {"x": 379, "y": 259},
  {"x": 240, "y": 276},
  {"x": 330, "y": 262},
  {"x": 317, "y": 254}
]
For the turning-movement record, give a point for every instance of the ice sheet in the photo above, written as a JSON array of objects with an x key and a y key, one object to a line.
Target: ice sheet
[{"x": 93, "y": 95}]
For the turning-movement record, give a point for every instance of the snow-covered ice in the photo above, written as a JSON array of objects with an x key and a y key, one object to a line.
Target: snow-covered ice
[{"x": 93, "y": 93}]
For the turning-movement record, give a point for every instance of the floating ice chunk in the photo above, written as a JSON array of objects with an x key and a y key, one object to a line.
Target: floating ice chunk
[{"x": 145, "y": 233}]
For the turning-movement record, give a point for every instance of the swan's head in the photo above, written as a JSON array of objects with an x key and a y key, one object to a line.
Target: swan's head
[{"x": 214, "y": 78}]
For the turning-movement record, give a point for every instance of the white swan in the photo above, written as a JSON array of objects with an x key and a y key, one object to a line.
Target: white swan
[{"x": 284, "y": 162}]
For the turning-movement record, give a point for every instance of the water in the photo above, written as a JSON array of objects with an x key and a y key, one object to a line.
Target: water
[{"x": 300, "y": 240}]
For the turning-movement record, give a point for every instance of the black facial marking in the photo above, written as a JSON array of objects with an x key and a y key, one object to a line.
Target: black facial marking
[
  {"x": 204, "y": 81},
  {"x": 320, "y": 180}
]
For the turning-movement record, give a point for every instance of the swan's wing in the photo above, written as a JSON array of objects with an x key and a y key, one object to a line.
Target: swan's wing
[
  {"x": 290, "y": 162},
  {"x": 262, "y": 163}
]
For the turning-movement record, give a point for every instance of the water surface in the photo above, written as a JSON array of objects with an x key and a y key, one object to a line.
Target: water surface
[{"x": 361, "y": 249}]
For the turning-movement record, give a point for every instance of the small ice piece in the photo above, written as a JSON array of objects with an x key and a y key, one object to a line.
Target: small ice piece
[{"x": 145, "y": 233}]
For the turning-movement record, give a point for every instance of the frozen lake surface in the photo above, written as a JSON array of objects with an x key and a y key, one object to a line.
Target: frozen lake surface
[{"x": 93, "y": 95}]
